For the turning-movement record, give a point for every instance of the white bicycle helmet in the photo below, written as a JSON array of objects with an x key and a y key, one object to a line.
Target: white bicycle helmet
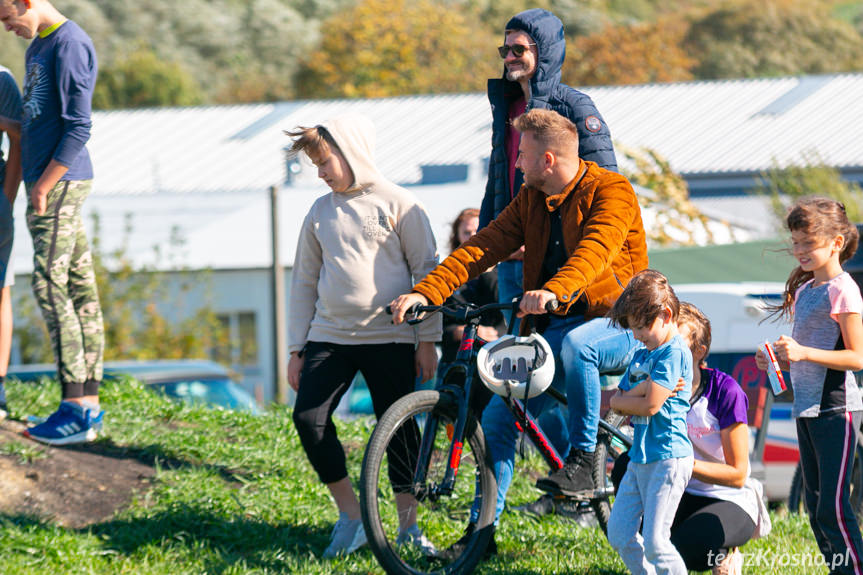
[{"x": 507, "y": 364}]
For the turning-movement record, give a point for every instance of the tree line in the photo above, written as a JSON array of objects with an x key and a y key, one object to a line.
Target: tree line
[{"x": 165, "y": 53}]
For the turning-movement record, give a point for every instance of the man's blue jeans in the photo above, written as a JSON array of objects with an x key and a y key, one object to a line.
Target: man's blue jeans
[
  {"x": 509, "y": 286},
  {"x": 589, "y": 350},
  {"x": 582, "y": 351}
]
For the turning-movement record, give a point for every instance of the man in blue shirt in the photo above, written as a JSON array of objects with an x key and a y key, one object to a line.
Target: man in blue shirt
[
  {"x": 10, "y": 179},
  {"x": 58, "y": 93}
]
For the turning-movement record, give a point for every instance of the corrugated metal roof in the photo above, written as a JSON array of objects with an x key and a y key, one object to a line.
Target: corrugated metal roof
[
  {"x": 719, "y": 127},
  {"x": 700, "y": 127},
  {"x": 205, "y": 171},
  {"x": 237, "y": 148},
  {"x": 749, "y": 261}
]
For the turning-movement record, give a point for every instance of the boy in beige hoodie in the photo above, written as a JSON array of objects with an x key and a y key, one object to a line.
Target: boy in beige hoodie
[{"x": 359, "y": 247}]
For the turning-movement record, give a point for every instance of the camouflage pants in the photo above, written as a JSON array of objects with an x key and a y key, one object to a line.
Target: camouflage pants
[{"x": 65, "y": 287}]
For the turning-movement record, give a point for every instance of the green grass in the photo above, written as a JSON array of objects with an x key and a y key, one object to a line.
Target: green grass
[
  {"x": 234, "y": 494},
  {"x": 24, "y": 452},
  {"x": 849, "y": 11}
]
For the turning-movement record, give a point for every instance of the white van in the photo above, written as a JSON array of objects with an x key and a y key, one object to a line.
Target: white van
[{"x": 739, "y": 324}]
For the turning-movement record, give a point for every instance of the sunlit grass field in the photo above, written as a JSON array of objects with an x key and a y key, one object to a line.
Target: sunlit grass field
[{"x": 234, "y": 494}]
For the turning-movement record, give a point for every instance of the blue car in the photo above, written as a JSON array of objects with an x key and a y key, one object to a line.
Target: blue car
[{"x": 188, "y": 380}]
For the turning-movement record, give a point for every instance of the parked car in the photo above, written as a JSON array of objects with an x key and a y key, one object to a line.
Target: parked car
[{"x": 188, "y": 380}]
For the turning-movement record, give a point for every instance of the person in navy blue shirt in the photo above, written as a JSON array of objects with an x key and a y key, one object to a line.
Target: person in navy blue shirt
[
  {"x": 533, "y": 52},
  {"x": 58, "y": 91},
  {"x": 10, "y": 179}
]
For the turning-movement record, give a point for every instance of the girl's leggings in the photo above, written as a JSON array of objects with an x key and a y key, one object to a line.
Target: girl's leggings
[{"x": 827, "y": 447}]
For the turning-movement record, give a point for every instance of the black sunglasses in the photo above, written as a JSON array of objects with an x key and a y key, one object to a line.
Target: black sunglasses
[{"x": 518, "y": 50}]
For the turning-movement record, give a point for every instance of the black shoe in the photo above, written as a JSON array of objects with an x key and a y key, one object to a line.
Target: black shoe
[
  {"x": 542, "y": 506},
  {"x": 456, "y": 550},
  {"x": 574, "y": 479}
]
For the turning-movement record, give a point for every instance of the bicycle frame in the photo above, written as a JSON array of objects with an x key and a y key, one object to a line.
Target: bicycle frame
[
  {"x": 527, "y": 424},
  {"x": 460, "y": 390}
]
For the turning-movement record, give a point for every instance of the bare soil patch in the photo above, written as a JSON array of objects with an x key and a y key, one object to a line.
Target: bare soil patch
[{"x": 73, "y": 486}]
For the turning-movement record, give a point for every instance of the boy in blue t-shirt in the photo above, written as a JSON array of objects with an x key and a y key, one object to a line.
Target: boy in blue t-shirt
[
  {"x": 661, "y": 454},
  {"x": 58, "y": 93}
]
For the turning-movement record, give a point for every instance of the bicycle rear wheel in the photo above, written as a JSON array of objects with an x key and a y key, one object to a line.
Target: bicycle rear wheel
[
  {"x": 608, "y": 449},
  {"x": 388, "y": 468}
]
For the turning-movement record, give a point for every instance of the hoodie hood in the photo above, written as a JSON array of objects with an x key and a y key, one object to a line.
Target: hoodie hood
[
  {"x": 546, "y": 29},
  {"x": 355, "y": 136}
]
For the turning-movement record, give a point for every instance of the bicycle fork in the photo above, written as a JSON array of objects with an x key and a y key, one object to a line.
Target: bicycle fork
[{"x": 456, "y": 433}]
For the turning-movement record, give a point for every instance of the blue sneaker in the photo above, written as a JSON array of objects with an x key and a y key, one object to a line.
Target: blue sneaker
[{"x": 68, "y": 425}]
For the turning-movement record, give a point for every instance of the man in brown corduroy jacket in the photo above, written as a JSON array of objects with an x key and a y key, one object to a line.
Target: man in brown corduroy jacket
[{"x": 583, "y": 236}]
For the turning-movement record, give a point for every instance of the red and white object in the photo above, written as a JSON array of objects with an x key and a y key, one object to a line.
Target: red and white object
[{"x": 774, "y": 373}]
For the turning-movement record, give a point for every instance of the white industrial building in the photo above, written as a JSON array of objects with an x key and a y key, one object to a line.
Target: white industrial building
[{"x": 203, "y": 174}]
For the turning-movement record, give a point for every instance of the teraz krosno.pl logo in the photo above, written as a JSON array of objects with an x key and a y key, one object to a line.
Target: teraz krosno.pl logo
[{"x": 769, "y": 558}]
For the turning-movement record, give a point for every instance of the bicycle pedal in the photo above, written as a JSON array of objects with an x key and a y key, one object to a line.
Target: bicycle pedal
[{"x": 584, "y": 495}]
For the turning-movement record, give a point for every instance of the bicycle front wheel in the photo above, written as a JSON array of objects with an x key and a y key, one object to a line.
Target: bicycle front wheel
[
  {"x": 608, "y": 449},
  {"x": 389, "y": 493}
]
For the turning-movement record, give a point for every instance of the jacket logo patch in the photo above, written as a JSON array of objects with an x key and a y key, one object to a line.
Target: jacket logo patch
[
  {"x": 593, "y": 124},
  {"x": 376, "y": 226}
]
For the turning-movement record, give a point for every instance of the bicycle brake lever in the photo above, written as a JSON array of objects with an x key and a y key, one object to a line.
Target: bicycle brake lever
[{"x": 414, "y": 311}]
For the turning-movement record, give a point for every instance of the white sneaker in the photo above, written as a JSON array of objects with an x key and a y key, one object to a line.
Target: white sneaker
[
  {"x": 348, "y": 536},
  {"x": 3, "y": 414},
  {"x": 414, "y": 536},
  {"x": 731, "y": 564}
]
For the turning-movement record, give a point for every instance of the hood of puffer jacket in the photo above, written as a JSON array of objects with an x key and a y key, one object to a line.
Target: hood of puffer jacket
[
  {"x": 355, "y": 136},
  {"x": 546, "y": 29}
]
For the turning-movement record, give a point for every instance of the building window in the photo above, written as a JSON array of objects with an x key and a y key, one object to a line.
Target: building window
[{"x": 241, "y": 350}]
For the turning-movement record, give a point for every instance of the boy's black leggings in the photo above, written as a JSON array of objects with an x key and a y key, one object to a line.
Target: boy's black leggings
[{"x": 327, "y": 373}]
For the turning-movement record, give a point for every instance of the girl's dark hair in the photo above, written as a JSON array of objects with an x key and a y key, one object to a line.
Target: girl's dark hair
[
  {"x": 699, "y": 326},
  {"x": 644, "y": 300},
  {"x": 465, "y": 214},
  {"x": 822, "y": 218}
]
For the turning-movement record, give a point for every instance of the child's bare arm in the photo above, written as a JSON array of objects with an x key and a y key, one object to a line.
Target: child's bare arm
[
  {"x": 639, "y": 390},
  {"x": 850, "y": 358},
  {"x": 646, "y": 405}
]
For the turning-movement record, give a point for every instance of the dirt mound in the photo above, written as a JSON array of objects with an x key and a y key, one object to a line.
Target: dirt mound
[{"x": 72, "y": 486}]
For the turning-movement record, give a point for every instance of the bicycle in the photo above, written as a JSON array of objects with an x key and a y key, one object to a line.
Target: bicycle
[{"x": 445, "y": 426}]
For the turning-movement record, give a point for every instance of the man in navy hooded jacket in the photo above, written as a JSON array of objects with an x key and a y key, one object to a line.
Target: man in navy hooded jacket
[
  {"x": 533, "y": 53},
  {"x": 532, "y": 80}
]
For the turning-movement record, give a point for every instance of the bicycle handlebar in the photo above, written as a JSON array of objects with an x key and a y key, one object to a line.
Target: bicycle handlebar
[{"x": 463, "y": 312}]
